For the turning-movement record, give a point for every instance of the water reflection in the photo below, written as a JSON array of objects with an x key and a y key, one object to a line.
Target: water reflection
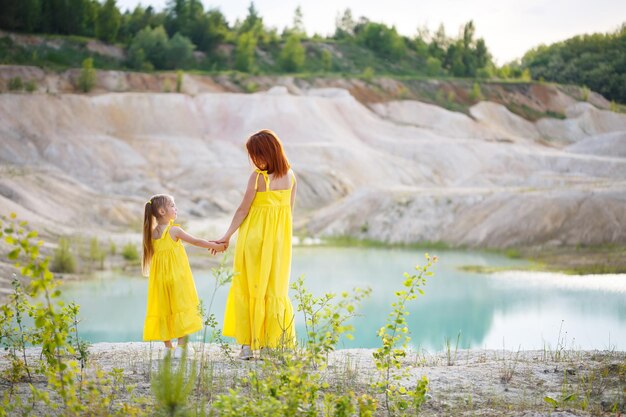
[{"x": 511, "y": 309}]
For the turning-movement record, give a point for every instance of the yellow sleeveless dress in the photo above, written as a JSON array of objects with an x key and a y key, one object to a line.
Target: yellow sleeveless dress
[
  {"x": 258, "y": 310},
  {"x": 172, "y": 309}
]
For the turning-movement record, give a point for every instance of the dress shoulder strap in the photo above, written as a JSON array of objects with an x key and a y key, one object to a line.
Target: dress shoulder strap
[{"x": 265, "y": 177}]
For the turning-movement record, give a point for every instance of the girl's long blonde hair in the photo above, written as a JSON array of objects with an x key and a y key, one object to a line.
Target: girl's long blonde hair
[{"x": 150, "y": 214}]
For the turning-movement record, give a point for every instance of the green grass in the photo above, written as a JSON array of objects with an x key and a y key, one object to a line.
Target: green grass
[
  {"x": 71, "y": 54},
  {"x": 531, "y": 114}
]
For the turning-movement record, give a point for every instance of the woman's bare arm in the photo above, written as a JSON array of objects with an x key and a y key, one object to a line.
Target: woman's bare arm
[{"x": 244, "y": 208}]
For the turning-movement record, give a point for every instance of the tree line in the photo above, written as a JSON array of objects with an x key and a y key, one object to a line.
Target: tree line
[
  {"x": 597, "y": 61},
  {"x": 168, "y": 38},
  {"x": 185, "y": 35}
]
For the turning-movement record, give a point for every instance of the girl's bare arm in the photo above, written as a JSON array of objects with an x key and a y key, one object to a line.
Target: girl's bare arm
[{"x": 178, "y": 233}]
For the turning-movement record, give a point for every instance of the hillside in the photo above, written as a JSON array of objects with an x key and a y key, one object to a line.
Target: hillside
[{"x": 376, "y": 168}]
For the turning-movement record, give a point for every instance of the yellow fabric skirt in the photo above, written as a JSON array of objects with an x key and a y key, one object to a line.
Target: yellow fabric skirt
[{"x": 258, "y": 310}]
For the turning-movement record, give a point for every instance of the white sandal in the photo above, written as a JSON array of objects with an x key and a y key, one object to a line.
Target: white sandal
[{"x": 246, "y": 353}]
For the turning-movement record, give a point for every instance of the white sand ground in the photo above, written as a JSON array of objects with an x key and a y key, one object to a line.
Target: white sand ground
[{"x": 465, "y": 382}]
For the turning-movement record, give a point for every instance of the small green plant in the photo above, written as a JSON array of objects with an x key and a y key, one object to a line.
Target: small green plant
[
  {"x": 31, "y": 86},
  {"x": 167, "y": 85},
  {"x": 326, "y": 317},
  {"x": 87, "y": 77},
  {"x": 508, "y": 367},
  {"x": 327, "y": 60},
  {"x": 368, "y": 74},
  {"x": 251, "y": 87},
  {"x": 55, "y": 328},
  {"x": 16, "y": 84},
  {"x": 96, "y": 253},
  {"x": 172, "y": 386},
  {"x": 130, "y": 253},
  {"x": 560, "y": 402},
  {"x": 64, "y": 260},
  {"x": 289, "y": 382},
  {"x": 179, "y": 81},
  {"x": 394, "y": 336},
  {"x": 584, "y": 92},
  {"x": 450, "y": 98},
  {"x": 450, "y": 355},
  {"x": 476, "y": 94}
]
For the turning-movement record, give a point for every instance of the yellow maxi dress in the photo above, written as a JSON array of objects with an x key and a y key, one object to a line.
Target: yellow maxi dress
[
  {"x": 172, "y": 309},
  {"x": 258, "y": 310}
]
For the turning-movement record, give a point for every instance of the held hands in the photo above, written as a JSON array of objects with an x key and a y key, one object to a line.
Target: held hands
[
  {"x": 223, "y": 242},
  {"x": 220, "y": 245}
]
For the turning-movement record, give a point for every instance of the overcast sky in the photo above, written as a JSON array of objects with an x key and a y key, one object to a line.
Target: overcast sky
[{"x": 510, "y": 27}]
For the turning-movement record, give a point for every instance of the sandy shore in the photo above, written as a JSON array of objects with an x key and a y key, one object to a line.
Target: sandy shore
[{"x": 465, "y": 383}]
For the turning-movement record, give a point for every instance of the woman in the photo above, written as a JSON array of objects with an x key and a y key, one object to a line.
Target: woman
[{"x": 258, "y": 311}]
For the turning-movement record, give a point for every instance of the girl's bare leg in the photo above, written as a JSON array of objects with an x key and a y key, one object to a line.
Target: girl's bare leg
[
  {"x": 168, "y": 344},
  {"x": 182, "y": 342}
]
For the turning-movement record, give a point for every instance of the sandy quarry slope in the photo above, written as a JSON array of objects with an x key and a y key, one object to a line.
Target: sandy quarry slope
[{"x": 398, "y": 171}]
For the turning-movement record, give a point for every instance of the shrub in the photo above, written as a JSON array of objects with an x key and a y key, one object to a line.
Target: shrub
[
  {"x": 244, "y": 52},
  {"x": 96, "y": 254},
  {"x": 63, "y": 260},
  {"x": 476, "y": 94},
  {"x": 148, "y": 48},
  {"x": 67, "y": 390},
  {"x": 382, "y": 40},
  {"x": 16, "y": 84},
  {"x": 433, "y": 66},
  {"x": 585, "y": 93},
  {"x": 179, "y": 81},
  {"x": 368, "y": 74},
  {"x": 292, "y": 55},
  {"x": 327, "y": 60},
  {"x": 130, "y": 253},
  {"x": 87, "y": 77},
  {"x": 394, "y": 337},
  {"x": 179, "y": 52},
  {"x": 31, "y": 86}
]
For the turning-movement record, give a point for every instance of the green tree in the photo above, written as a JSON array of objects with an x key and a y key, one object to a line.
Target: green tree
[
  {"x": 382, "y": 40},
  {"x": 439, "y": 44},
  {"x": 149, "y": 47},
  {"x": 433, "y": 66},
  {"x": 252, "y": 20},
  {"x": 87, "y": 77},
  {"x": 245, "y": 52},
  {"x": 596, "y": 60},
  {"x": 292, "y": 55},
  {"x": 297, "y": 27},
  {"x": 209, "y": 30},
  {"x": 179, "y": 52},
  {"x": 108, "y": 22},
  {"x": 344, "y": 25}
]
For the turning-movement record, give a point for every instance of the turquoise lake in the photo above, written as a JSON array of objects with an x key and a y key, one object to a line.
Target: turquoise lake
[{"x": 510, "y": 310}]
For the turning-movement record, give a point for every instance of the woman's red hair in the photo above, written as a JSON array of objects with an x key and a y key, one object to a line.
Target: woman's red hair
[{"x": 266, "y": 152}]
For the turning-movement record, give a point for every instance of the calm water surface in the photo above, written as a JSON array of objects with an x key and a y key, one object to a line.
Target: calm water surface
[{"x": 506, "y": 310}]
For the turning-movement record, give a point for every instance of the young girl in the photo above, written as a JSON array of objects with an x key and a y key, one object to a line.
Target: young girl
[
  {"x": 172, "y": 311},
  {"x": 258, "y": 310}
]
